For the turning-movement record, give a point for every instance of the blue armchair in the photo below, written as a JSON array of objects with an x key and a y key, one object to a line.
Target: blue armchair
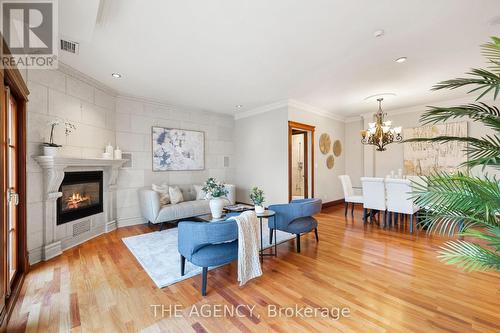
[
  {"x": 207, "y": 244},
  {"x": 296, "y": 218}
]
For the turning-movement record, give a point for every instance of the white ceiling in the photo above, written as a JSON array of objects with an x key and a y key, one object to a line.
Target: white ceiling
[{"x": 216, "y": 54}]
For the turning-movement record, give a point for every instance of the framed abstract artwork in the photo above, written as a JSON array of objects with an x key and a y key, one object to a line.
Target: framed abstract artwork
[
  {"x": 177, "y": 149},
  {"x": 426, "y": 158}
]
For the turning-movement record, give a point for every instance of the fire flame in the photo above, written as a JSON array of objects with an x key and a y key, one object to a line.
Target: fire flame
[{"x": 75, "y": 200}]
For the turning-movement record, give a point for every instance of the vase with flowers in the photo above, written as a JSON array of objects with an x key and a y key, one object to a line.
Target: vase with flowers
[
  {"x": 216, "y": 191},
  {"x": 50, "y": 148}
]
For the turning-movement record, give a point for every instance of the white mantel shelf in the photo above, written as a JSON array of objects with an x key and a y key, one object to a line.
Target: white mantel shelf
[
  {"x": 59, "y": 237},
  {"x": 51, "y": 161}
]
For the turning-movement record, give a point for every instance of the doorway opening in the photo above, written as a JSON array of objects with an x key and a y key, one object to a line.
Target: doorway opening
[{"x": 300, "y": 161}]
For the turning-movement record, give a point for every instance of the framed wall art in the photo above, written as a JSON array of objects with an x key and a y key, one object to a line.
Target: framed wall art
[{"x": 178, "y": 149}]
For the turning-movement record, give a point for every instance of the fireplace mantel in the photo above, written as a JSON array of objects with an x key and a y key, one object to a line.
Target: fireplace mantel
[
  {"x": 57, "y": 238},
  {"x": 55, "y": 166},
  {"x": 51, "y": 161}
]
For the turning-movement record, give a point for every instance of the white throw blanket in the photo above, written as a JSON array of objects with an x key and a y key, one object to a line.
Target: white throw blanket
[{"x": 248, "y": 246}]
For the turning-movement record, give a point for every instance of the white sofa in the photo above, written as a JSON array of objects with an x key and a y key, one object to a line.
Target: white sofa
[{"x": 153, "y": 212}]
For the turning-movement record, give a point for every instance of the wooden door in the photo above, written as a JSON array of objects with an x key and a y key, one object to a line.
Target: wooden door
[
  {"x": 308, "y": 162},
  {"x": 12, "y": 189},
  {"x": 3, "y": 203},
  {"x": 13, "y": 249},
  {"x": 10, "y": 198}
]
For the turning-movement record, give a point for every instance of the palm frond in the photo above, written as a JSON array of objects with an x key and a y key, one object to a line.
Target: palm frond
[
  {"x": 491, "y": 51},
  {"x": 469, "y": 256},
  {"x": 455, "y": 198},
  {"x": 484, "y": 79},
  {"x": 449, "y": 223},
  {"x": 490, "y": 234},
  {"x": 488, "y": 115}
]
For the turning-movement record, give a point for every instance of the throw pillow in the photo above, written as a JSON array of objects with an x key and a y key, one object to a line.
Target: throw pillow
[
  {"x": 175, "y": 195},
  {"x": 162, "y": 190},
  {"x": 200, "y": 194}
]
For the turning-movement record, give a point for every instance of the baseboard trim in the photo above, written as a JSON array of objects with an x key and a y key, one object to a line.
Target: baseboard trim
[
  {"x": 51, "y": 250},
  {"x": 332, "y": 203},
  {"x": 111, "y": 225},
  {"x": 129, "y": 222}
]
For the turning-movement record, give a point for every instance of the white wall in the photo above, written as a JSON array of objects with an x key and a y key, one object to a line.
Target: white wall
[
  {"x": 354, "y": 163},
  {"x": 134, "y": 119},
  {"x": 326, "y": 183},
  {"x": 66, "y": 95},
  {"x": 380, "y": 164},
  {"x": 262, "y": 155}
]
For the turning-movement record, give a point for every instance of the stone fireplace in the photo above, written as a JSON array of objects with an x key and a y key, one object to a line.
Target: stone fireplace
[{"x": 79, "y": 201}]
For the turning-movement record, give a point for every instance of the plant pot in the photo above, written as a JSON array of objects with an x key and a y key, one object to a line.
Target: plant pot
[
  {"x": 216, "y": 206},
  {"x": 259, "y": 209},
  {"x": 50, "y": 151}
]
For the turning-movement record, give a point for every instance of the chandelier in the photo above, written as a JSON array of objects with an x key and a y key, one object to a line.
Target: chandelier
[{"x": 380, "y": 133}]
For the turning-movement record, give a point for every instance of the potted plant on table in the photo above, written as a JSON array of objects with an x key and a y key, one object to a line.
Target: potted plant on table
[
  {"x": 50, "y": 148},
  {"x": 215, "y": 192},
  {"x": 257, "y": 197}
]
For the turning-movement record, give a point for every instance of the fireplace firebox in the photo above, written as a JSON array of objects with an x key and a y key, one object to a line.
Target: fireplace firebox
[{"x": 81, "y": 196}]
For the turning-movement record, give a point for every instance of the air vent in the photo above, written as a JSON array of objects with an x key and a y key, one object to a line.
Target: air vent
[
  {"x": 81, "y": 227},
  {"x": 69, "y": 46}
]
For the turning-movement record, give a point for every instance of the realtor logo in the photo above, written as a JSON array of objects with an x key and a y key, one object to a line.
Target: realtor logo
[{"x": 29, "y": 30}]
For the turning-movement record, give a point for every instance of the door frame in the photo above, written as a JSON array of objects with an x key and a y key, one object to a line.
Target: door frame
[
  {"x": 12, "y": 78},
  {"x": 308, "y": 128}
]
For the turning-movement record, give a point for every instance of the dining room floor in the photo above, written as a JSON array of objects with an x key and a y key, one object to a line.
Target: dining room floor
[{"x": 388, "y": 279}]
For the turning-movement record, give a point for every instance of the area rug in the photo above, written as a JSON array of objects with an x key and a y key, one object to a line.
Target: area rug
[{"x": 157, "y": 253}]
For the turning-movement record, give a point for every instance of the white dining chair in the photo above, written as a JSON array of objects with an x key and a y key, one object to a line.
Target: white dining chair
[
  {"x": 373, "y": 197},
  {"x": 349, "y": 196},
  {"x": 399, "y": 199}
]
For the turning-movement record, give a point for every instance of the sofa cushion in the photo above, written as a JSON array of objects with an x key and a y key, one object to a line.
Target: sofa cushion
[
  {"x": 162, "y": 190},
  {"x": 175, "y": 195},
  {"x": 200, "y": 194},
  {"x": 188, "y": 192},
  {"x": 183, "y": 210}
]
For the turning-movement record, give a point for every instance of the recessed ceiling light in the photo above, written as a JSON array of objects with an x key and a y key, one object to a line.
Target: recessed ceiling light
[
  {"x": 239, "y": 106},
  {"x": 116, "y": 75},
  {"x": 401, "y": 60},
  {"x": 378, "y": 33}
]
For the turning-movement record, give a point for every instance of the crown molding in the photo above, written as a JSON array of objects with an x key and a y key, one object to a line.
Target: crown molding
[
  {"x": 312, "y": 109},
  {"x": 70, "y": 71},
  {"x": 419, "y": 108},
  {"x": 166, "y": 104},
  {"x": 353, "y": 119},
  {"x": 288, "y": 103},
  {"x": 260, "y": 110}
]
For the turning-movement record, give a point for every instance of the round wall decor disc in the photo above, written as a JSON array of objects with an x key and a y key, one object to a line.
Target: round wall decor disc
[
  {"x": 325, "y": 143},
  {"x": 330, "y": 161},
  {"x": 337, "y": 148}
]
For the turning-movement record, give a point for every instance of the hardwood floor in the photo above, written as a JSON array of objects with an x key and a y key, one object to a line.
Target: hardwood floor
[{"x": 389, "y": 280}]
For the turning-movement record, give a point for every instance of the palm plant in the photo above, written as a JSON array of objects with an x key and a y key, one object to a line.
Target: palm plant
[{"x": 462, "y": 204}]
